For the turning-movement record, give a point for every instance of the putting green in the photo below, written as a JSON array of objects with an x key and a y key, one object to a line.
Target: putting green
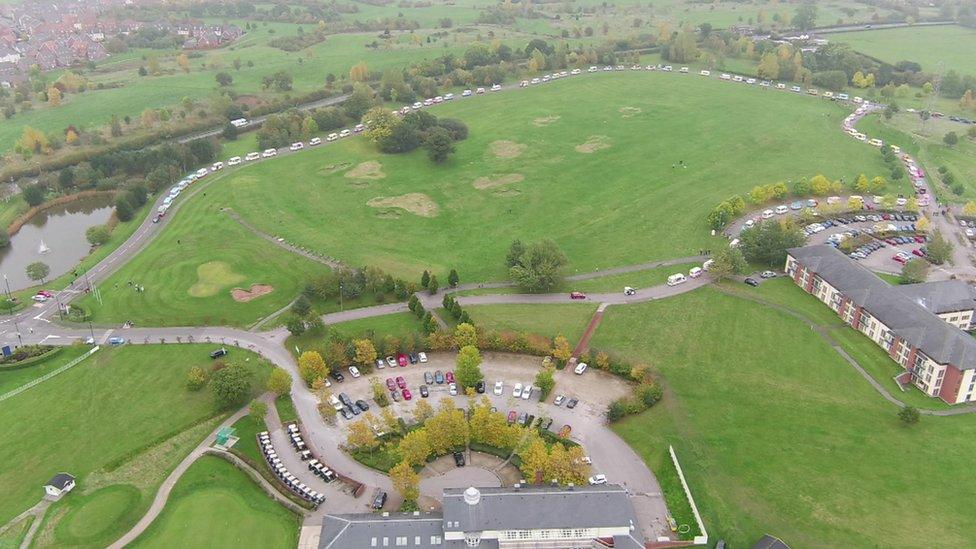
[{"x": 212, "y": 277}]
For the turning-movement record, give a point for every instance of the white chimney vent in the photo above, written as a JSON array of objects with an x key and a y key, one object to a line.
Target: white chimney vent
[{"x": 472, "y": 496}]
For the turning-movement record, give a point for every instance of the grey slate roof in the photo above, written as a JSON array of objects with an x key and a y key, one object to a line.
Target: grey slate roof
[
  {"x": 945, "y": 296},
  {"x": 60, "y": 481},
  {"x": 530, "y": 508},
  {"x": 367, "y": 530},
  {"x": 770, "y": 542},
  {"x": 896, "y": 309}
]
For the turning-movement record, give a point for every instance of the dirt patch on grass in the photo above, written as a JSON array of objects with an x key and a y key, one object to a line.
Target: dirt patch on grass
[
  {"x": 370, "y": 169},
  {"x": 415, "y": 203},
  {"x": 490, "y": 182},
  {"x": 507, "y": 193},
  {"x": 545, "y": 120},
  {"x": 593, "y": 144},
  {"x": 241, "y": 295},
  {"x": 506, "y": 149},
  {"x": 211, "y": 277},
  {"x": 333, "y": 168},
  {"x": 628, "y": 112}
]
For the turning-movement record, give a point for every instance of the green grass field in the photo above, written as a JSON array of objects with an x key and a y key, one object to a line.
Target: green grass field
[
  {"x": 115, "y": 422},
  {"x": 11, "y": 379},
  {"x": 548, "y": 320},
  {"x": 927, "y": 46},
  {"x": 777, "y": 434},
  {"x": 638, "y": 279},
  {"x": 217, "y": 505},
  {"x": 756, "y": 142}
]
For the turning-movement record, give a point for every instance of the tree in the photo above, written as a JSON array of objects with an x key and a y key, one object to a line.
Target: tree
[
  {"x": 414, "y": 448},
  {"x": 468, "y": 368},
  {"x": 184, "y": 62},
  {"x": 196, "y": 378},
  {"x": 561, "y": 350},
  {"x": 379, "y": 392},
  {"x": 453, "y": 279},
  {"x": 153, "y": 65},
  {"x": 535, "y": 460},
  {"x": 230, "y": 132},
  {"x": 38, "y": 271},
  {"x": 123, "y": 208},
  {"x": 425, "y": 279},
  {"x": 390, "y": 420},
  {"x": 311, "y": 367},
  {"x": 360, "y": 101},
  {"x": 439, "y": 144},
  {"x": 359, "y": 72},
  {"x": 909, "y": 415},
  {"x": 539, "y": 269},
  {"x": 223, "y": 79},
  {"x": 302, "y": 306},
  {"x": 939, "y": 249},
  {"x": 914, "y": 271},
  {"x": 969, "y": 210},
  {"x": 465, "y": 335},
  {"x": 433, "y": 285},
  {"x": 365, "y": 352},
  {"x": 545, "y": 381},
  {"x": 768, "y": 66},
  {"x": 923, "y": 224},
  {"x": 422, "y": 411},
  {"x": 98, "y": 235},
  {"x": 515, "y": 251},
  {"x": 727, "y": 261},
  {"x": 279, "y": 382},
  {"x": 327, "y": 411},
  {"x": 53, "y": 96},
  {"x": 805, "y": 17},
  {"x": 34, "y": 194},
  {"x": 447, "y": 428},
  {"x": 405, "y": 480},
  {"x": 231, "y": 385},
  {"x": 258, "y": 408},
  {"x": 361, "y": 434},
  {"x": 950, "y": 139}
]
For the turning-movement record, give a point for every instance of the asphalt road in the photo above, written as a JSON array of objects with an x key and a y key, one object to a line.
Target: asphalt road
[{"x": 257, "y": 120}]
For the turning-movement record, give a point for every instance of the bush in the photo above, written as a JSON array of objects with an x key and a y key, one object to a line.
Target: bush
[
  {"x": 196, "y": 378},
  {"x": 98, "y": 235}
]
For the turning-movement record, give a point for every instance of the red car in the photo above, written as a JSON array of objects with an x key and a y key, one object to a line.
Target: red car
[
  {"x": 389, "y": 384},
  {"x": 898, "y": 258},
  {"x": 401, "y": 383},
  {"x": 919, "y": 252},
  {"x": 511, "y": 416},
  {"x": 406, "y": 394},
  {"x": 919, "y": 239},
  {"x": 891, "y": 241},
  {"x": 450, "y": 377},
  {"x": 402, "y": 360},
  {"x": 577, "y": 295},
  {"x": 45, "y": 293}
]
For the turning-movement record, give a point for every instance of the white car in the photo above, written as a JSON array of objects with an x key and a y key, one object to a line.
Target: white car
[
  {"x": 598, "y": 479},
  {"x": 580, "y": 368},
  {"x": 297, "y": 146},
  {"x": 428, "y": 102},
  {"x": 452, "y": 388},
  {"x": 780, "y": 86},
  {"x": 496, "y": 87},
  {"x": 479, "y": 91},
  {"x": 750, "y": 81},
  {"x": 422, "y": 356},
  {"x": 780, "y": 210},
  {"x": 535, "y": 81},
  {"x": 315, "y": 141},
  {"x": 592, "y": 69},
  {"x": 448, "y": 97},
  {"x": 705, "y": 73},
  {"x": 726, "y": 76},
  {"x": 439, "y": 99},
  {"x": 418, "y": 105},
  {"x": 217, "y": 166},
  {"x": 517, "y": 390},
  {"x": 354, "y": 371},
  {"x": 391, "y": 362},
  {"x": 335, "y": 402},
  {"x": 767, "y": 214},
  {"x": 558, "y": 401},
  {"x": 252, "y": 156},
  {"x": 466, "y": 93},
  {"x": 359, "y": 128},
  {"x": 526, "y": 392},
  {"x": 332, "y": 137},
  {"x": 499, "y": 388},
  {"x": 795, "y": 89},
  {"x": 345, "y": 133},
  {"x": 574, "y": 72},
  {"x": 268, "y": 153},
  {"x": 234, "y": 161}
]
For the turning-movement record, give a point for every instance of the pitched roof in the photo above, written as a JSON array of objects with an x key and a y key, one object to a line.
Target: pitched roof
[
  {"x": 60, "y": 481},
  {"x": 539, "y": 507},
  {"x": 945, "y": 296},
  {"x": 373, "y": 530},
  {"x": 893, "y": 307}
]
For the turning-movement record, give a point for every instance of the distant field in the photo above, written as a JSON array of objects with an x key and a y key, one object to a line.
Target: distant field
[
  {"x": 778, "y": 434},
  {"x": 926, "y": 46}
]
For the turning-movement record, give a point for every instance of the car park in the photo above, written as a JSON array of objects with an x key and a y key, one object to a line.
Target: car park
[
  {"x": 424, "y": 392},
  {"x": 517, "y": 390}
]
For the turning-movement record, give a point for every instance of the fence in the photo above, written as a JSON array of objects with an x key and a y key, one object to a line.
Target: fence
[
  {"x": 48, "y": 375},
  {"x": 703, "y": 538}
]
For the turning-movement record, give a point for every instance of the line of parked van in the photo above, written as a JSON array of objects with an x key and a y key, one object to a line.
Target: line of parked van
[{"x": 289, "y": 480}]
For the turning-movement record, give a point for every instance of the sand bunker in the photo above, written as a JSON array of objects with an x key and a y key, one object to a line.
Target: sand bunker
[
  {"x": 628, "y": 112},
  {"x": 545, "y": 120},
  {"x": 257, "y": 290},
  {"x": 211, "y": 277},
  {"x": 593, "y": 144},
  {"x": 483, "y": 183},
  {"x": 415, "y": 203},
  {"x": 367, "y": 170},
  {"x": 506, "y": 149}
]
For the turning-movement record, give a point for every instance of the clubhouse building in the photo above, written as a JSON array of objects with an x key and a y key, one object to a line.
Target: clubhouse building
[
  {"x": 920, "y": 326},
  {"x": 537, "y": 517}
]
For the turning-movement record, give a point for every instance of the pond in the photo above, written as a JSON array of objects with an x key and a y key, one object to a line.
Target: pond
[{"x": 55, "y": 236}]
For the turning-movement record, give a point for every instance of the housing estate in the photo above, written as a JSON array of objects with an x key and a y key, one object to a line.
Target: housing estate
[
  {"x": 920, "y": 326},
  {"x": 510, "y": 517}
]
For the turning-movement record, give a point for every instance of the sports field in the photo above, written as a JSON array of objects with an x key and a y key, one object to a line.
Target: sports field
[
  {"x": 927, "y": 46},
  {"x": 216, "y": 502},
  {"x": 592, "y": 162},
  {"x": 116, "y": 421},
  {"x": 777, "y": 434}
]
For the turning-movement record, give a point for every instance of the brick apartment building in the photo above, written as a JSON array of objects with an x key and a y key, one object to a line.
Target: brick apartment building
[{"x": 920, "y": 326}]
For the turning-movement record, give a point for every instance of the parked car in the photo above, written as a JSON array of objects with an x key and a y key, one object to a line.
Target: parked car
[
  {"x": 424, "y": 392},
  {"x": 116, "y": 341},
  {"x": 423, "y": 357},
  {"x": 361, "y": 404},
  {"x": 390, "y": 384},
  {"x": 459, "y": 459},
  {"x": 512, "y": 415},
  {"x": 438, "y": 377},
  {"x": 391, "y": 362},
  {"x": 499, "y": 388},
  {"x": 213, "y": 355},
  {"x": 598, "y": 479},
  {"x": 767, "y": 274},
  {"x": 449, "y": 376},
  {"x": 428, "y": 378},
  {"x": 480, "y": 387},
  {"x": 413, "y": 358},
  {"x": 407, "y": 395},
  {"x": 751, "y": 281},
  {"x": 354, "y": 372},
  {"x": 577, "y": 295},
  {"x": 452, "y": 389},
  {"x": 315, "y": 141},
  {"x": 379, "y": 500},
  {"x": 522, "y": 418},
  {"x": 401, "y": 383},
  {"x": 559, "y": 400},
  {"x": 526, "y": 392},
  {"x": 572, "y": 403},
  {"x": 517, "y": 390},
  {"x": 337, "y": 376},
  {"x": 580, "y": 368},
  {"x": 401, "y": 360}
]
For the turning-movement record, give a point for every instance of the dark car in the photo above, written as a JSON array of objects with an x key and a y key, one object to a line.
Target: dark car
[
  {"x": 395, "y": 396},
  {"x": 379, "y": 500},
  {"x": 480, "y": 387},
  {"x": 155, "y": 219},
  {"x": 355, "y": 411},
  {"x": 438, "y": 377},
  {"x": 337, "y": 376},
  {"x": 751, "y": 281},
  {"x": 428, "y": 378},
  {"x": 362, "y": 405},
  {"x": 218, "y": 353},
  {"x": 572, "y": 403},
  {"x": 546, "y": 424},
  {"x": 412, "y": 357},
  {"x": 459, "y": 459},
  {"x": 522, "y": 418},
  {"x": 346, "y": 413},
  {"x": 344, "y": 398},
  {"x": 424, "y": 392}
]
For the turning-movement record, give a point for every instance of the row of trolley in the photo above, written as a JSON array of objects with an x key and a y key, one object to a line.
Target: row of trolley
[{"x": 278, "y": 467}]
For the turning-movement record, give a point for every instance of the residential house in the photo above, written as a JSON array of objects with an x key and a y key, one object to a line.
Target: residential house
[{"x": 59, "y": 485}]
